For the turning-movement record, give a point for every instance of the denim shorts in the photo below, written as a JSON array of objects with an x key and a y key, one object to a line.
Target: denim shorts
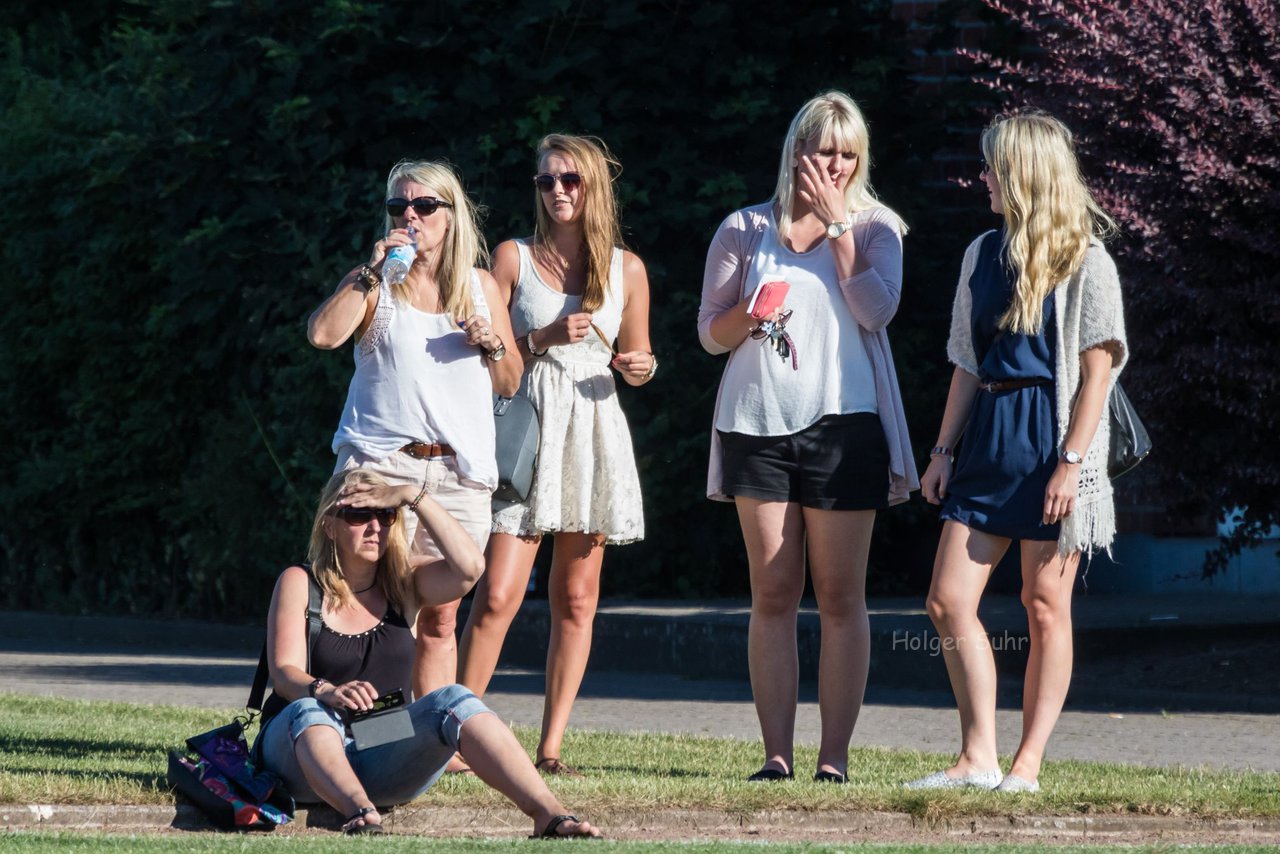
[
  {"x": 393, "y": 773},
  {"x": 841, "y": 462}
]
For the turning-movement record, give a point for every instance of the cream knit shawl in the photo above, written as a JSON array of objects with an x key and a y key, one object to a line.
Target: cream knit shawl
[{"x": 1088, "y": 313}]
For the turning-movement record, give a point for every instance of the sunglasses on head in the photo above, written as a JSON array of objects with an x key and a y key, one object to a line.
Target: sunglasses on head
[
  {"x": 422, "y": 206},
  {"x": 386, "y": 516},
  {"x": 546, "y": 182}
]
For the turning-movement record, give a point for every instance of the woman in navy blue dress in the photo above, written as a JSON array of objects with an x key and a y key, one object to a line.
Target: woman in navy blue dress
[
  {"x": 1008, "y": 456},
  {"x": 1037, "y": 337}
]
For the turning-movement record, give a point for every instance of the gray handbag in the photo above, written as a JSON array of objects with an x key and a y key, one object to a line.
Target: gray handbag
[{"x": 515, "y": 423}]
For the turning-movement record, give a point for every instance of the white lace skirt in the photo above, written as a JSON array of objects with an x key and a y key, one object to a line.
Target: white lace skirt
[{"x": 586, "y": 478}]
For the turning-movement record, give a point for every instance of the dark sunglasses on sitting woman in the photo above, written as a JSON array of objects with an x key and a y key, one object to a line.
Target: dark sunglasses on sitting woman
[
  {"x": 547, "y": 182},
  {"x": 363, "y": 515},
  {"x": 423, "y": 205}
]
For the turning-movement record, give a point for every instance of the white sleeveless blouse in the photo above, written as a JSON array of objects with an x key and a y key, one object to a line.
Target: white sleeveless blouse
[{"x": 418, "y": 380}]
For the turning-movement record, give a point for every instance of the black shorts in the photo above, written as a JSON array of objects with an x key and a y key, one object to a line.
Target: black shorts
[{"x": 839, "y": 463}]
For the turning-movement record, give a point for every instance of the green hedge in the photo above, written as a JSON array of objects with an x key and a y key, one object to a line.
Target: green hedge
[{"x": 184, "y": 182}]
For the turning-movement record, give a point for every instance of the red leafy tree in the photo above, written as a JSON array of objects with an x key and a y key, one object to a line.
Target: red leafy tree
[{"x": 1176, "y": 105}]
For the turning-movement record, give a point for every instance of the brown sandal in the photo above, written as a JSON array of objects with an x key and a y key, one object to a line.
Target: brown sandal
[{"x": 553, "y": 767}]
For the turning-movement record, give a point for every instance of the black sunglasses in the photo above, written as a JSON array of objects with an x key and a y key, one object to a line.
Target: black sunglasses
[
  {"x": 986, "y": 167},
  {"x": 422, "y": 206},
  {"x": 547, "y": 182},
  {"x": 363, "y": 515}
]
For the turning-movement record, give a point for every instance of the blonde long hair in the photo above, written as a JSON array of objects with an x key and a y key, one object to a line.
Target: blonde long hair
[
  {"x": 464, "y": 247},
  {"x": 832, "y": 115},
  {"x": 394, "y": 574},
  {"x": 1050, "y": 215},
  {"x": 601, "y": 230}
]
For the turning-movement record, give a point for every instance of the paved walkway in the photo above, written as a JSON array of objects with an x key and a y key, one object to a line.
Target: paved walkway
[{"x": 189, "y": 663}]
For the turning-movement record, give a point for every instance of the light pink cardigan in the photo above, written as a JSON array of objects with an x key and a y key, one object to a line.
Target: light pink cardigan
[{"x": 872, "y": 298}]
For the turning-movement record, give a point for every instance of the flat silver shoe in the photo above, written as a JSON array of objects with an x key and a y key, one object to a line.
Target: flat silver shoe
[
  {"x": 940, "y": 780},
  {"x": 1013, "y": 783}
]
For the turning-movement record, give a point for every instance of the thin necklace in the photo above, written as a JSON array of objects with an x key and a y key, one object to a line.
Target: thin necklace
[
  {"x": 370, "y": 587},
  {"x": 554, "y": 253}
]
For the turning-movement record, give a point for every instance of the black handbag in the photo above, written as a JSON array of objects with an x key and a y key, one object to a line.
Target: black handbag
[
  {"x": 515, "y": 421},
  {"x": 1130, "y": 443}
]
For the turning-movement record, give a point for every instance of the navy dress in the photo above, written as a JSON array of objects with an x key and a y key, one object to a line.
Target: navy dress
[{"x": 1009, "y": 447}]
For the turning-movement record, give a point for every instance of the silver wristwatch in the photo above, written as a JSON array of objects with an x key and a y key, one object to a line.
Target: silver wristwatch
[
  {"x": 836, "y": 229},
  {"x": 1072, "y": 458}
]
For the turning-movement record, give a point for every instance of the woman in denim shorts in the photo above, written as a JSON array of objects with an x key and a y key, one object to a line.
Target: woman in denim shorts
[
  {"x": 809, "y": 438},
  {"x": 372, "y": 590}
]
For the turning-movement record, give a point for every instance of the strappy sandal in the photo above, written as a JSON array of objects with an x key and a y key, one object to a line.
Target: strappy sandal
[
  {"x": 553, "y": 767},
  {"x": 549, "y": 832},
  {"x": 371, "y": 828}
]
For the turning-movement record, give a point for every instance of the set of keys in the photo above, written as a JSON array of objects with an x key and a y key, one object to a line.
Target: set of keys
[{"x": 773, "y": 333}]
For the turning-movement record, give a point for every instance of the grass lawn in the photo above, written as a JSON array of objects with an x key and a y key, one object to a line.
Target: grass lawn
[
  {"x": 55, "y": 751},
  {"x": 40, "y": 843}
]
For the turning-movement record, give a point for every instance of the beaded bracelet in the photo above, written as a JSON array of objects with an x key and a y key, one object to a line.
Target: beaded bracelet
[
  {"x": 413, "y": 505},
  {"x": 528, "y": 342}
]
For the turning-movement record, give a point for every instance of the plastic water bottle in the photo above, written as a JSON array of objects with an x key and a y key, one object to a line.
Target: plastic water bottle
[{"x": 399, "y": 260}]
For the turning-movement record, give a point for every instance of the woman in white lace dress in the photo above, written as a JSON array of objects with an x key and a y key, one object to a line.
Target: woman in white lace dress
[{"x": 572, "y": 290}]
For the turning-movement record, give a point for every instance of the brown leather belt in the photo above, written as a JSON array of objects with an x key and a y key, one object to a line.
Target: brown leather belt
[
  {"x": 1010, "y": 385},
  {"x": 424, "y": 451}
]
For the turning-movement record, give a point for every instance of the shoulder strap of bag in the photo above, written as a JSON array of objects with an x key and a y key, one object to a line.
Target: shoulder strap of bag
[
  {"x": 315, "y": 601},
  {"x": 757, "y": 227}
]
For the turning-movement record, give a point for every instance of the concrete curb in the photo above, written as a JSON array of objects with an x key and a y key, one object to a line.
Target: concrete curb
[{"x": 688, "y": 824}]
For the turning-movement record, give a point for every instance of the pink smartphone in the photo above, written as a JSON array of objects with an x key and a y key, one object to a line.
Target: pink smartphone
[{"x": 768, "y": 298}]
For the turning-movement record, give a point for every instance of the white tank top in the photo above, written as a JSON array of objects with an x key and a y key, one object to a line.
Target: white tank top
[
  {"x": 418, "y": 380},
  {"x": 835, "y": 375}
]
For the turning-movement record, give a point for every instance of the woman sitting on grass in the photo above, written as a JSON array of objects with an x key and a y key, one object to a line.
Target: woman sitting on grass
[{"x": 372, "y": 591}]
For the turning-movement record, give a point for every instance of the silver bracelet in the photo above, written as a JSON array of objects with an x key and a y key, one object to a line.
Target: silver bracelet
[
  {"x": 528, "y": 343},
  {"x": 653, "y": 368}
]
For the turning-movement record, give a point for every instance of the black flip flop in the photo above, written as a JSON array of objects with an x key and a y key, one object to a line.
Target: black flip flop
[
  {"x": 369, "y": 828},
  {"x": 549, "y": 832},
  {"x": 770, "y": 775},
  {"x": 829, "y": 777}
]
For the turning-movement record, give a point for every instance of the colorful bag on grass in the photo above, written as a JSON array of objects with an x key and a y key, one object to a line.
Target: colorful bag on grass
[{"x": 221, "y": 780}]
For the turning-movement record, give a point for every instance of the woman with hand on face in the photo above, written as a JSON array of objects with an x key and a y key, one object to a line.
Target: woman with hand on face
[
  {"x": 1037, "y": 338},
  {"x": 429, "y": 354},
  {"x": 371, "y": 588},
  {"x": 572, "y": 289},
  {"x": 809, "y": 436}
]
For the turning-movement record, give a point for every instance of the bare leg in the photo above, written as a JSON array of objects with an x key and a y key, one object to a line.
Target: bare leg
[
  {"x": 1047, "y": 581},
  {"x": 435, "y": 663},
  {"x": 499, "y": 760},
  {"x": 839, "y": 542},
  {"x": 774, "y": 535},
  {"x": 961, "y": 569},
  {"x": 323, "y": 760},
  {"x": 574, "y": 592},
  {"x": 498, "y": 597}
]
